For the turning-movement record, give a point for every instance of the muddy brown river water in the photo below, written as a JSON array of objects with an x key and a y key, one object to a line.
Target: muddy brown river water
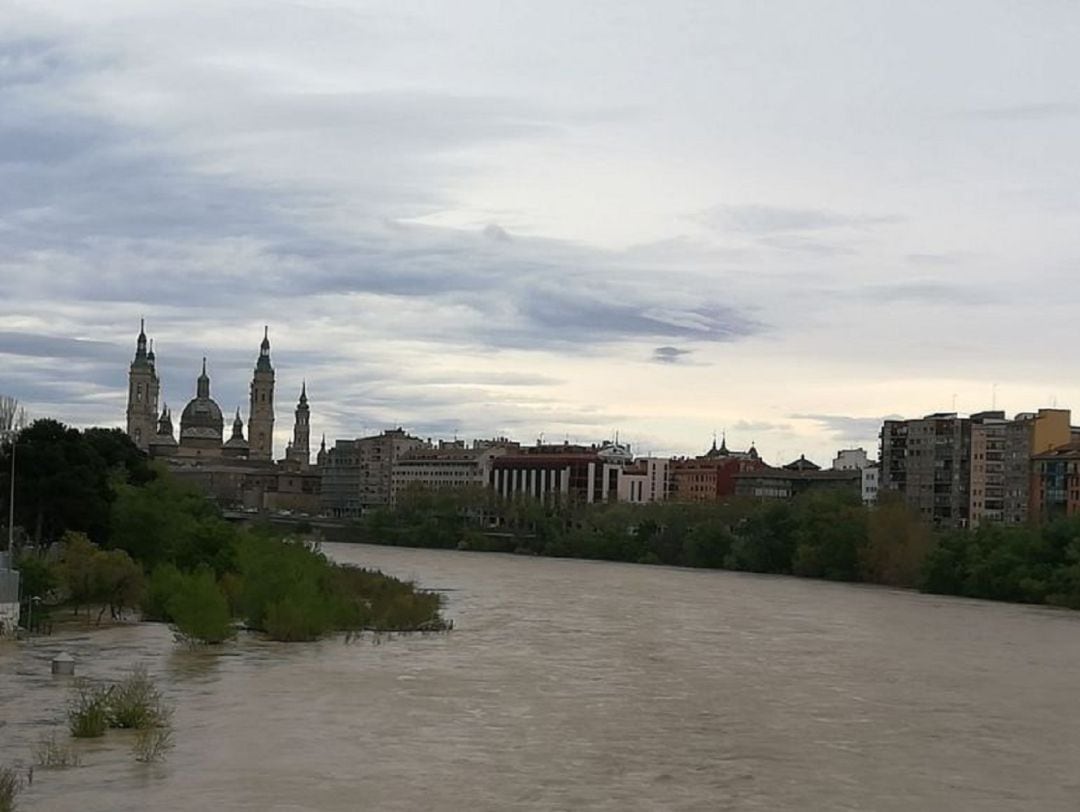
[{"x": 586, "y": 685}]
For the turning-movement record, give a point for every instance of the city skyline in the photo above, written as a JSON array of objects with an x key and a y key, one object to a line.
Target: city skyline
[{"x": 787, "y": 226}]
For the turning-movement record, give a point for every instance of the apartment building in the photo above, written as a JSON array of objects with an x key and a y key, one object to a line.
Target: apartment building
[{"x": 358, "y": 474}]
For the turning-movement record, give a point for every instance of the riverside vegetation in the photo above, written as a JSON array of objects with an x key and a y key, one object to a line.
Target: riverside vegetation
[
  {"x": 828, "y": 535},
  {"x": 130, "y": 537}
]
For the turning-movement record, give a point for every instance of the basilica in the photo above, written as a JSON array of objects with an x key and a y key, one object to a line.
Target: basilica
[{"x": 240, "y": 471}]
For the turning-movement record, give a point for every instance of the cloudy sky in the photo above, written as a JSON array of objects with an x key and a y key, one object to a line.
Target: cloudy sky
[{"x": 781, "y": 220}]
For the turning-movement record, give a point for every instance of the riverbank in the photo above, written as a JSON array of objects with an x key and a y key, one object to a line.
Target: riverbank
[{"x": 826, "y": 536}]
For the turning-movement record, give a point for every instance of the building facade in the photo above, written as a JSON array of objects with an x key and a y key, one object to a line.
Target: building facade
[
  {"x": 787, "y": 483},
  {"x": 988, "y": 431},
  {"x": 711, "y": 476},
  {"x": 871, "y": 479},
  {"x": 1027, "y": 435},
  {"x": 850, "y": 459},
  {"x": 648, "y": 479},
  {"x": 964, "y": 471},
  {"x": 358, "y": 474},
  {"x": 450, "y": 466},
  {"x": 566, "y": 473},
  {"x": 928, "y": 463},
  {"x": 1056, "y": 483}
]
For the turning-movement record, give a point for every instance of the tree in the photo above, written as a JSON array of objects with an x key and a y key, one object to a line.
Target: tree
[
  {"x": 12, "y": 417},
  {"x": 77, "y": 568},
  {"x": 119, "y": 583},
  {"x": 897, "y": 545},
  {"x": 65, "y": 479},
  {"x": 165, "y": 521},
  {"x": 199, "y": 610}
]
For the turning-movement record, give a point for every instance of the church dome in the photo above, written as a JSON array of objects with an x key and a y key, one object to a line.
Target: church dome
[{"x": 201, "y": 418}]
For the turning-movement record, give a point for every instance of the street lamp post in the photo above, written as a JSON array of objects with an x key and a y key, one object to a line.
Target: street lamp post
[{"x": 30, "y": 617}]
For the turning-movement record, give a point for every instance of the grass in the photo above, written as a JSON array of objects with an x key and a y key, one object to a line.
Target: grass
[
  {"x": 152, "y": 744},
  {"x": 49, "y": 753},
  {"x": 10, "y": 787}
]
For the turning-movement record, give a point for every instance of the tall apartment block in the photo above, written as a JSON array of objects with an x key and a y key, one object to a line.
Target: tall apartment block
[
  {"x": 964, "y": 471},
  {"x": 928, "y": 462},
  {"x": 988, "y": 480},
  {"x": 1027, "y": 435}
]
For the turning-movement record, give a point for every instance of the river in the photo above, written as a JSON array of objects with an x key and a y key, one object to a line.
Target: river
[{"x": 587, "y": 685}]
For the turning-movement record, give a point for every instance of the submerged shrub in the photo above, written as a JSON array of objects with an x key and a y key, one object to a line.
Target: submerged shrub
[
  {"x": 10, "y": 787},
  {"x": 152, "y": 744},
  {"x": 88, "y": 709},
  {"x": 136, "y": 703},
  {"x": 49, "y": 753}
]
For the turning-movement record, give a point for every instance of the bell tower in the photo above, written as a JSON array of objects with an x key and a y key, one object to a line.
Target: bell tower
[
  {"x": 300, "y": 450},
  {"x": 261, "y": 413},
  {"x": 143, "y": 389}
]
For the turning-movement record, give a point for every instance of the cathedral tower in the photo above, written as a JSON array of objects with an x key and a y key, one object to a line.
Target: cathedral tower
[
  {"x": 261, "y": 414},
  {"x": 300, "y": 450},
  {"x": 143, "y": 388}
]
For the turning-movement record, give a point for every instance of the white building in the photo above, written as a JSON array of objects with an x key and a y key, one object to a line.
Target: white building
[
  {"x": 647, "y": 480},
  {"x": 9, "y": 596},
  {"x": 871, "y": 476},
  {"x": 850, "y": 459}
]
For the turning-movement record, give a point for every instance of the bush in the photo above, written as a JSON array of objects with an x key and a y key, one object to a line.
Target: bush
[
  {"x": 152, "y": 744},
  {"x": 10, "y": 787},
  {"x": 136, "y": 703},
  {"x": 199, "y": 609},
  {"x": 88, "y": 710},
  {"x": 49, "y": 753}
]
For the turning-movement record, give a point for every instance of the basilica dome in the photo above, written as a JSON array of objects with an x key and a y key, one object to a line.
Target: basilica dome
[{"x": 201, "y": 418}]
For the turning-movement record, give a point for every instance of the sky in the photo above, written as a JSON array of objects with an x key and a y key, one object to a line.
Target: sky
[{"x": 777, "y": 221}]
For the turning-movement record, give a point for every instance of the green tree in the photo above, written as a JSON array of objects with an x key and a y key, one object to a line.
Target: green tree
[
  {"x": 199, "y": 610},
  {"x": 77, "y": 568},
  {"x": 898, "y": 543},
  {"x": 118, "y": 582},
  {"x": 64, "y": 478}
]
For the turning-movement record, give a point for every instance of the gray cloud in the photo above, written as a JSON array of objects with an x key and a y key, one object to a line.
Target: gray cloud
[
  {"x": 933, "y": 259},
  {"x": 669, "y": 355},
  {"x": 1026, "y": 112},
  {"x": 59, "y": 347},
  {"x": 928, "y": 292},
  {"x": 847, "y": 429},
  {"x": 762, "y": 426},
  {"x": 764, "y": 220}
]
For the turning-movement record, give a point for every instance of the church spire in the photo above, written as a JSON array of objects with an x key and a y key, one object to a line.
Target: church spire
[
  {"x": 202, "y": 389},
  {"x": 140, "y": 342},
  {"x": 264, "y": 351}
]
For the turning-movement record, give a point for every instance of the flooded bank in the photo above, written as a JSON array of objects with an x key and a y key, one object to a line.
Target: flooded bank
[{"x": 574, "y": 684}]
